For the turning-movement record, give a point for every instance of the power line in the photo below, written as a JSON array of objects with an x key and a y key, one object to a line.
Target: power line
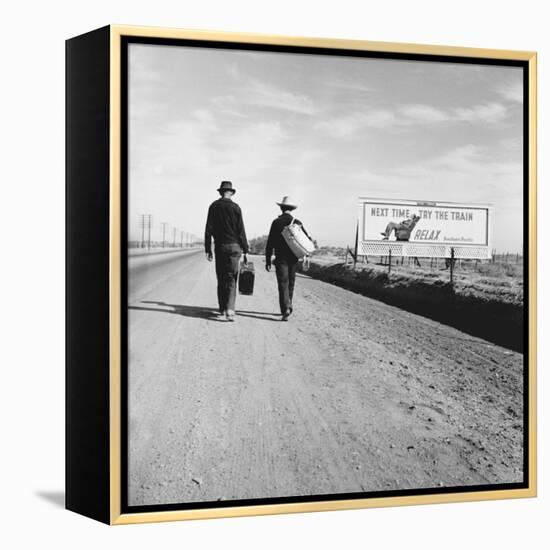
[{"x": 145, "y": 223}]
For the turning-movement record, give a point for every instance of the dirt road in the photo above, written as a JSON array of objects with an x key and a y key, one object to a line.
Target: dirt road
[{"x": 351, "y": 395}]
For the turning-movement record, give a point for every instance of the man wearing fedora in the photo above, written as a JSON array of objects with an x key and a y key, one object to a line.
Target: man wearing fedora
[
  {"x": 286, "y": 263},
  {"x": 225, "y": 225}
]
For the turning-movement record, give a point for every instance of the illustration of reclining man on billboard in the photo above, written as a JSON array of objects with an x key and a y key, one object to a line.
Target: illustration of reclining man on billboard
[{"x": 401, "y": 230}]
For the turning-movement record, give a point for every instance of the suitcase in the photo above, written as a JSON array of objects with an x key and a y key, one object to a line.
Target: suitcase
[{"x": 246, "y": 278}]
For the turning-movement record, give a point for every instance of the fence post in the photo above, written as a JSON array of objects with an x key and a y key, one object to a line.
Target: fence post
[
  {"x": 356, "y": 247},
  {"x": 389, "y": 263},
  {"x": 452, "y": 263}
]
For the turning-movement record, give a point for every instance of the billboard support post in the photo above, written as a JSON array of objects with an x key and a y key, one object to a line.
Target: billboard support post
[{"x": 389, "y": 263}]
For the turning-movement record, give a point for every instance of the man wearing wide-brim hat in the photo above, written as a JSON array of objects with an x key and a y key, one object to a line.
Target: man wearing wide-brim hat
[
  {"x": 225, "y": 225},
  {"x": 286, "y": 263}
]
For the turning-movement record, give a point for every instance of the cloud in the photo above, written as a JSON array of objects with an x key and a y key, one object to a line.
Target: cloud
[
  {"x": 346, "y": 126},
  {"x": 261, "y": 94},
  {"x": 466, "y": 170},
  {"x": 410, "y": 116},
  {"x": 196, "y": 146},
  {"x": 422, "y": 114},
  {"x": 351, "y": 87},
  {"x": 206, "y": 119},
  {"x": 514, "y": 144},
  {"x": 467, "y": 161},
  {"x": 229, "y": 105},
  {"x": 487, "y": 113},
  {"x": 266, "y": 95},
  {"x": 233, "y": 70},
  {"x": 512, "y": 92},
  {"x": 468, "y": 151}
]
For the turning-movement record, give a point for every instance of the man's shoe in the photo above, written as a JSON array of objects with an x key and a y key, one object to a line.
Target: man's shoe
[
  {"x": 230, "y": 315},
  {"x": 220, "y": 314},
  {"x": 286, "y": 315}
]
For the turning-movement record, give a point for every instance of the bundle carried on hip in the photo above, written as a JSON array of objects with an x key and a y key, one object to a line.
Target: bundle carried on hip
[{"x": 296, "y": 239}]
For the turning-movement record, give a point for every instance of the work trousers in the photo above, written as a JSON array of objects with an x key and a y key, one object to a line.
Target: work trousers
[
  {"x": 285, "y": 270},
  {"x": 391, "y": 227},
  {"x": 227, "y": 270},
  {"x": 402, "y": 232}
]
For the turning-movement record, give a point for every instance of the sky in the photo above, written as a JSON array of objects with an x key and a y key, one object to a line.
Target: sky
[{"x": 324, "y": 130}]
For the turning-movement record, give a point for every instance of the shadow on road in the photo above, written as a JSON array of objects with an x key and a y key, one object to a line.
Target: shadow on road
[
  {"x": 259, "y": 315},
  {"x": 200, "y": 312}
]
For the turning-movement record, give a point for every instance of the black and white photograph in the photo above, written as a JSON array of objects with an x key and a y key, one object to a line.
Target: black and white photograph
[{"x": 326, "y": 275}]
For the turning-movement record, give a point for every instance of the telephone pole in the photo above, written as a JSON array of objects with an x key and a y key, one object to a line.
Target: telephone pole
[
  {"x": 181, "y": 238},
  {"x": 145, "y": 222},
  {"x": 164, "y": 224},
  {"x": 174, "y": 239}
]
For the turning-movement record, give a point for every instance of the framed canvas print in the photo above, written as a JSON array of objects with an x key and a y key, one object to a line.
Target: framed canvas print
[{"x": 300, "y": 274}]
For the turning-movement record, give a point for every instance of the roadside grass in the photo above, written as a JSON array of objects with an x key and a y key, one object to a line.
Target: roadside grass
[
  {"x": 485, "y": 299},
  {"x": 500, "y": 281}
]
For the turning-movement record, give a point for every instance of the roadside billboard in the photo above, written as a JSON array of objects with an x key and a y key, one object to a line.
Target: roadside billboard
[{"x": 439, "y": 225}]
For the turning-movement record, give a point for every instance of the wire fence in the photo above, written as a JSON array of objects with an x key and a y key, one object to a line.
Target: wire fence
[
  {"x": 506, "y": 257},
  {"x": 501, "y": 264}
]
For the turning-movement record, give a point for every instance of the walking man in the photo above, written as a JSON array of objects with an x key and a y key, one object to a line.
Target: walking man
[
  {"x": 225, "y": 225},
  {"x": 286, "y": 263}
]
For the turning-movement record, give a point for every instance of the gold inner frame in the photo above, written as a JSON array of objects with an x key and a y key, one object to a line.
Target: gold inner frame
[{"x": 117, "y": 518}]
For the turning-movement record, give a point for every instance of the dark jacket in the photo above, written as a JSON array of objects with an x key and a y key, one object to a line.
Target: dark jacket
[
  {"x": 225, "y": 225},
  {"x": 276, "y": 241}
]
